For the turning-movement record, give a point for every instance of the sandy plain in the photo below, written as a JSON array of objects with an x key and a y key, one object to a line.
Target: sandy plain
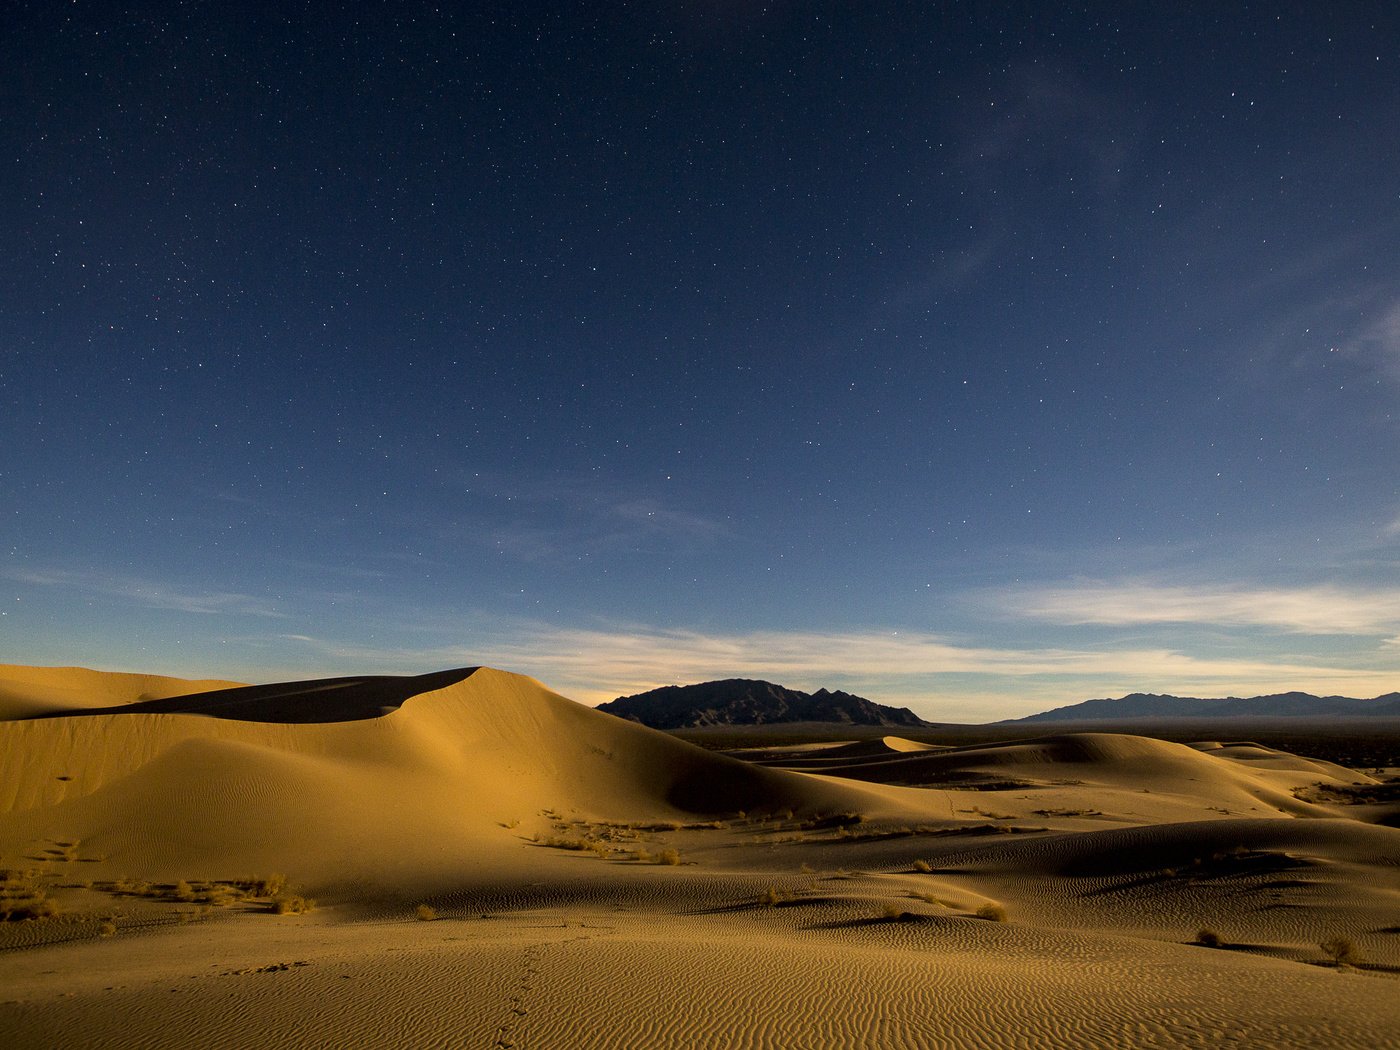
[{"x": 494, "y": 865}]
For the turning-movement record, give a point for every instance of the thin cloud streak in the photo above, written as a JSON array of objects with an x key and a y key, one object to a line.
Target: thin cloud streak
[
  {"x": 1323, "y": 610},
  {"x": 147, "y": 593}
]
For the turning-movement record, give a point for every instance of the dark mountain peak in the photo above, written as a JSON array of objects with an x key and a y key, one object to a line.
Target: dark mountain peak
[{"x": 747, "y": 701}]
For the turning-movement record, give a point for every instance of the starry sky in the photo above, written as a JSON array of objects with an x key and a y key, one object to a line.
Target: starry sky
[{"x": 974, "y": 357}]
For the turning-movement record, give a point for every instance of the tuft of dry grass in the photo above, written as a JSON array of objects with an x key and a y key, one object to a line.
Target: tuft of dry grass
[
  {"x": 1208, "y": 938},
  {"x": 425, "y": 913},
  {"x": 671, "y": 857},
  {"x": 991, "y": 912},
  {"x": 923, "y": 867}
]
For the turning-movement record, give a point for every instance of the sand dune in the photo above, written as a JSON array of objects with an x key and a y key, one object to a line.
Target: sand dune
[{"x": 590, "y": 882}]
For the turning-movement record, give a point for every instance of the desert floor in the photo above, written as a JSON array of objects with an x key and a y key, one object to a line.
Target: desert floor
[{"x": 493, "y": 865}]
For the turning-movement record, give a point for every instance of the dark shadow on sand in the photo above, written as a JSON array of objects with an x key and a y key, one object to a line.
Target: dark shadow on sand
[{"x": 317, "y": 701}]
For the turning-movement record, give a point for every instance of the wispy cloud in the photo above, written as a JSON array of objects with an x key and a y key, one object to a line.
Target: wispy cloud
[
  {"x": 147, "y": 593},
  {"x": 545, "y": 519},
  {"x": 1379, "y": 338},
  {"x": 1324, "y": 610}
]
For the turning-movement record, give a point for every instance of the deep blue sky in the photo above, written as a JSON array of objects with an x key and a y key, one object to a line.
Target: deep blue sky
[{"x": 976, "y": 357}]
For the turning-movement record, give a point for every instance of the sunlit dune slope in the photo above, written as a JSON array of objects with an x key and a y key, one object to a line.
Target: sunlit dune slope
[{"x": 433, "y": 784}]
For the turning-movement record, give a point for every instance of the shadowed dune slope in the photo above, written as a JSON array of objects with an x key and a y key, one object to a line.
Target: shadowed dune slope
[
  {"x": 321, "y": 700},
  {"x": 429, "y": 785},
  {"x": 29, "y": 691}
]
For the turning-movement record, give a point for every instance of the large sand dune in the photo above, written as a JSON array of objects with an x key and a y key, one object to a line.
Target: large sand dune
[{"x": 590, "y": 882}]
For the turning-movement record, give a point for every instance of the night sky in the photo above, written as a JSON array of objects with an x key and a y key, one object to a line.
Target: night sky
[{"x": 974, "y": 357}]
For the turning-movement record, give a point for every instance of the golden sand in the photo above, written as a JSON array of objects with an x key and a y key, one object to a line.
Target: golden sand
[{"x": 494, "y": 865}]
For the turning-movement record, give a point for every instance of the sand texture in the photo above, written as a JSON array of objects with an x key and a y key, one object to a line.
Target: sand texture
[{"x": 494, "y": 865}]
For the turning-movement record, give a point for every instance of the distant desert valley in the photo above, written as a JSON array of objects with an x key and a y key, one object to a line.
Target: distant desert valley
[{"x": 468, "y": 859}]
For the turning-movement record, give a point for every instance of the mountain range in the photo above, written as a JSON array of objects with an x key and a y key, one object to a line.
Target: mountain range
[
  {"x": 1273, "y": 705},
  {"x": 745, "y": 701}
]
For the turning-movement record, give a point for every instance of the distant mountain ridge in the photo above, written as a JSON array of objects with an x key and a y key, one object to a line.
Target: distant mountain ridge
[
  {"x": 746, "y": 701},
  {"x": 1273, "y": 705}
]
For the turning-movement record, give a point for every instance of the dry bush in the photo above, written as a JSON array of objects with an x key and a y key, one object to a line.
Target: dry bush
[
  {"x": 891, "y": 912},
  {"x": 1341, "y": 950},
  {"x": 36, "y": 907},
  {"x": 107, "y": 929},
  {"x": 22, "y": 898},
  {"x": 1207, "y": 938},
  {"x": 923, "y": 866},
  {"x": 292, "y": 904},
  {"x": 991, "y": 912},
  {"x": 669, "y": 856},
  {"x": 772, "y": 897},
  {"x": 426, "y": 913}
]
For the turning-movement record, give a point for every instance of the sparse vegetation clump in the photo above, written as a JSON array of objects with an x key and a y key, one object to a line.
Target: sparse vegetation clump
[
  {"x": 773, "y": 896},
  {"x": 923, "y": 867},
  {"x": 21, "y": 899},
  {"x": 669, "y": 856},
  {"x": 1208, "y": 938},
  {"x": 1341, "y": 950},
  {"x": 992, "y": 912},
  {"x": 892, "y": 912},
  {"x": 425, "y": 913},
  {"x": 292, "y": 904}
]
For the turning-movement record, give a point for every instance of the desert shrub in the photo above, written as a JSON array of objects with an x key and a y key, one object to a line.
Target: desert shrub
[
  {"x": 772, "y": 897},
  {"x": 264, "y": 886},
  {"x": 669, "y": 856},
  {"x": 183, "y": 891},
  {"x": 892, "y": 912},
  {"x": 107, "y": 929},
  {"x": 22, "y": 909},
  {"x": 292, "y": 904},
  {"x": 22, "y": 898},
  {"x": 1209, "y": 938},
  {"x": 1341, "y": 950},
  {"x": 271, "y": 886},
  {"x": 923, "y": 866},
  {"x": 426, "y": 913},
  {"x": 991, "y": 912}
]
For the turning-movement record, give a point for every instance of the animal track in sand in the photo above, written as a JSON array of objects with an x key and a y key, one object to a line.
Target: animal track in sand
[{"x": 518, "y": 1005}]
